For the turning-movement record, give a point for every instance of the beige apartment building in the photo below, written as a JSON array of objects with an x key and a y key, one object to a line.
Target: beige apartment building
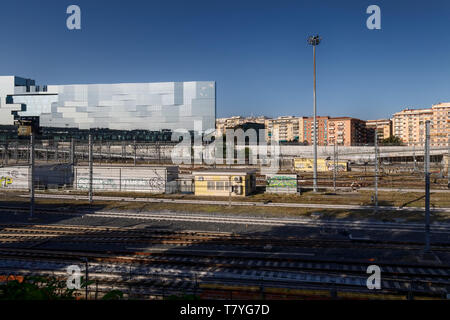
[
  {"x": 287, "y": 126},
  {"x": 382, "y": 126},
  {"x": 409, "y": 125},
  {"x": 223, "y": 123}
]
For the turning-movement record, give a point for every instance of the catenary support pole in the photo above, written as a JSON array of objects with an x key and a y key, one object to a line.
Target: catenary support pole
[
  {"x": 90, "y": 168},
  {"x": 376, "y": 171},
  {"x": 448, "y": 163},
  {"x": 427, "y": 186},
  {"x": 315, "y": 125},
  {"x": 31, "y": 175},
  {"x": 334, "y": 167},
  {"x": 134, "y": 146},
  {"x": 314, "y": 41}
]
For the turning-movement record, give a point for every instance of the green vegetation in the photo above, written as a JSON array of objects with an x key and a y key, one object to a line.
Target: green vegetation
[
  {"x": 113, "y": 295},
  {"x": 46, "y": 288},
  {"x": 392, "y": 141},
  {"x": 36, "y": 288}
]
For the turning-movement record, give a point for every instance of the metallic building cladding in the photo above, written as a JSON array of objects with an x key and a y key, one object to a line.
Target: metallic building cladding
[{"x": 123, "y": 106}]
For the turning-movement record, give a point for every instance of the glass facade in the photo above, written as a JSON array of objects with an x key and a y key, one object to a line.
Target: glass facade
[{"x": 124, "y": 106}]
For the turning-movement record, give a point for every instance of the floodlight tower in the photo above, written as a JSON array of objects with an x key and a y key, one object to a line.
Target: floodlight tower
[{"x": 314, "y": 41}]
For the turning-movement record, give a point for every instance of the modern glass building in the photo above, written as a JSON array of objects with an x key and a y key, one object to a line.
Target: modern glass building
[{"x": 124, "y": 106}]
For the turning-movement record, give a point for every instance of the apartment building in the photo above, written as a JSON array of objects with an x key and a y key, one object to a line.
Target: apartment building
[
  {"x": 382, "y": 126},
  {"x": 288, "y": 128},
  {"x": 347, "y": 131},
  {"x": 237, "y": 122},
  {"x": 342, "y": 130},
  {"x": 307, "y": 130},
  {"x": 409, "y": 125}
]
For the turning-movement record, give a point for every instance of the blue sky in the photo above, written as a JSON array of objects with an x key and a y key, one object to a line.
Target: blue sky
[{"x": 255, "y": 50}]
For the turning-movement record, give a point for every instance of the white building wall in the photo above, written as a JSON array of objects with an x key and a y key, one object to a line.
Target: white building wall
[{"x": 132, "y": 179}]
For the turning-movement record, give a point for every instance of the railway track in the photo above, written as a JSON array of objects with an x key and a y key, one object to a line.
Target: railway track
[
  {"x": 242, "y": 272},
  {"x": 79, "y": 234},
  {"x": 186, "y": 268},
  {"x": 443, "y": 228}
]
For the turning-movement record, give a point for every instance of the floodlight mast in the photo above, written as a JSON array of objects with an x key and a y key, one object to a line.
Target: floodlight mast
[{"x": 314, "y": 41}]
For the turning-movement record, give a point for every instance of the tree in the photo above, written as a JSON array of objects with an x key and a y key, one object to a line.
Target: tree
[
  {"x": 46, "y": 288},
  {"x": 392, "y": 141},
  {"x": 36, "y": 288}
]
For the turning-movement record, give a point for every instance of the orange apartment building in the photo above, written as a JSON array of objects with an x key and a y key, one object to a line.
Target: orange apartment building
[
  {"x": 347, "y": 131},
  {"x": 344, "y": 131},
  {"x": 307, "y": 130},
  {"x": 409, "y": 125}
]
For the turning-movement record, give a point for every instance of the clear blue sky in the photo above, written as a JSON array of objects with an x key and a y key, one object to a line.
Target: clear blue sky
[{"x": 256, "y": 50}]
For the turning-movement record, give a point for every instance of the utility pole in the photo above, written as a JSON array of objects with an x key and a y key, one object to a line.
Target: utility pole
[
  {"x": 376, "y": 171},
  {"x": 427, "y": 185},
  {"x": 229, "y": 191},
  {"x": 72, "y": 152},
  {"x": 123, "y": 150},
  {"x": 100, "y": 150},
  {"x": 31, "y": 175},
  {"x": 314, "y": 41},
  {"x": 6, "y": 155},
  {"x": 134, "y": 146},
  {"x": 448, "y": 163},
  {"x": 86, "y": 271},
  {"x": 90, "y": 168},
  {"x": 334, "y": 166}
]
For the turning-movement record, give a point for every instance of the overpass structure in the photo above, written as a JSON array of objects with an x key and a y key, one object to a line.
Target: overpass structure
[
  {"x": 162, "y": 152},
  {"x": 362, "y": 153}
]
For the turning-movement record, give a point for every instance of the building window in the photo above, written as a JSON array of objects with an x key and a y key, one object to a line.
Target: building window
[
  {"x": 210, "y": 185},
  {"x": 219, "y": 185}
]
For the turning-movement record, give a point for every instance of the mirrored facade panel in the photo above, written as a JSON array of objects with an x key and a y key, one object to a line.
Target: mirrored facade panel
[{"x": 124, "y": 106}]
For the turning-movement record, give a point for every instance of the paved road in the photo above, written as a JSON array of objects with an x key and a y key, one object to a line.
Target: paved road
[{"x": 241, "y": 203}]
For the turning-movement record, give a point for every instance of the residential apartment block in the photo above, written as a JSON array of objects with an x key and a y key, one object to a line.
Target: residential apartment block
[
  {"x": 288, "y": 128},
  {"x": 382, "y": 126},
  {"x": 341, "y": 130},
  {"x": 236, "y": 121},
  {"x": 347, "y": 131},
  {"x": 307, "y": 130},
  {"x": 409, "y": 125}
]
